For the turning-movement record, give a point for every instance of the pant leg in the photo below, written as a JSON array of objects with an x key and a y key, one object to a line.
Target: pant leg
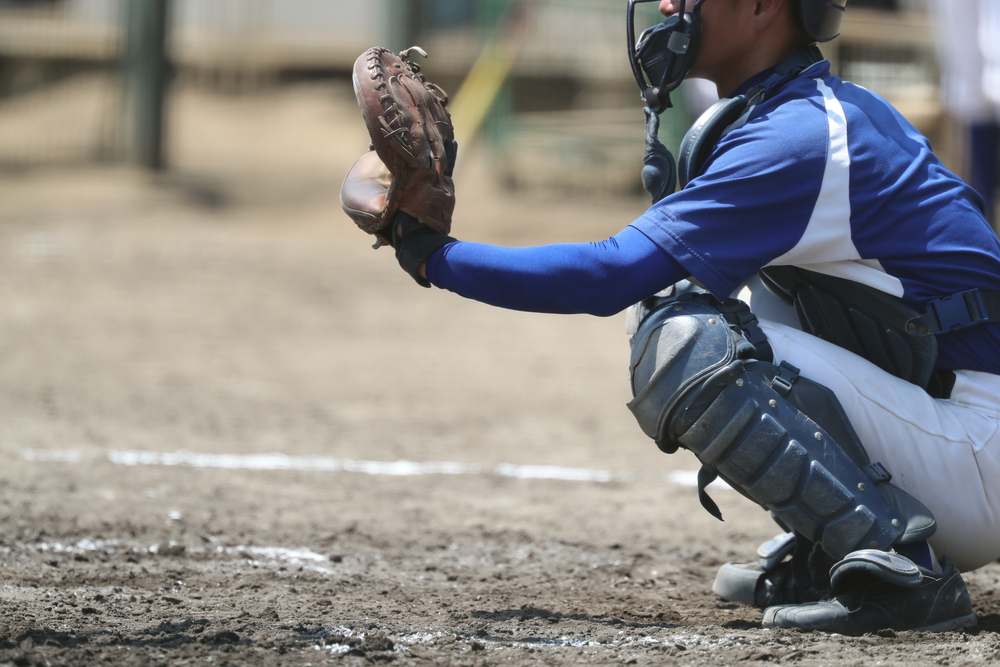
[{"x": 945, "y": 452}]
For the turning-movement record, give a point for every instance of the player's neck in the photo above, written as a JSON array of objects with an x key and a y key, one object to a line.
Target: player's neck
[{"x": 729, "y": 77}]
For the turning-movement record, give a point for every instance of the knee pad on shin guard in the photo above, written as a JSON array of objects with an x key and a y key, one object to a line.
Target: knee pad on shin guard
[{"x": 696, "y": 385}]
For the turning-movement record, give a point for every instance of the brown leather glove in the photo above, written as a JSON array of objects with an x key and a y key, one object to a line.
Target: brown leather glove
[{"x": 413, "y": 147}]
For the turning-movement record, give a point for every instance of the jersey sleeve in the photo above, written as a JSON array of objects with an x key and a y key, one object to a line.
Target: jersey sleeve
[
  {"x": 753, "y": 199},
  {"x": 600, "y": 278}
]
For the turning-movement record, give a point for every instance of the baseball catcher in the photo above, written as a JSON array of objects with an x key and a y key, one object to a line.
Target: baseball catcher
[{"x": 814, "y": 301}]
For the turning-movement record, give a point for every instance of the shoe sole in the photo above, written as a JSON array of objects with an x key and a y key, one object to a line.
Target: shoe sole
[
  {"x": 967, "y": 621},
  {"x": 953, "y": 624}
]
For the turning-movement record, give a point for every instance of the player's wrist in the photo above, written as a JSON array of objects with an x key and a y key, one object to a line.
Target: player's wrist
[{"x": 414, "y": 244}]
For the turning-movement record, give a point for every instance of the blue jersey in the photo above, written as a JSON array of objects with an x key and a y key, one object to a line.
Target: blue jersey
[
  {"x": 823, "y": 175},
  {"x": 827, "y": 176}
]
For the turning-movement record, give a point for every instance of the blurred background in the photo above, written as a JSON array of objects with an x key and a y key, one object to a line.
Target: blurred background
[
  {"x": 552, "y": 102},
  {"x": 176, "y": 270}
]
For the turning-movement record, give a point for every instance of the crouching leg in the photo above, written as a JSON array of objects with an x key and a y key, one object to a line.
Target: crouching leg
[{"x": 784, "y": 442}]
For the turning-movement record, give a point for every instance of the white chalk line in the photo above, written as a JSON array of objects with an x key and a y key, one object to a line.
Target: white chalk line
[
  {"x": 259, "y": 555},
  {"x": 400, "y": 468},
  {"x": 623, "y": 639}
]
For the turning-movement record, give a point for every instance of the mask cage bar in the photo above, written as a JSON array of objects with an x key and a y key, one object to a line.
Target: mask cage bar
[
  {"x": 630, "y": 34},
  {"x": 656, "y": 94}
]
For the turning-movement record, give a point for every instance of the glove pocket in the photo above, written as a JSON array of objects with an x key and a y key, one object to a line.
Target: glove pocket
[{"x": 365, "y": 192}]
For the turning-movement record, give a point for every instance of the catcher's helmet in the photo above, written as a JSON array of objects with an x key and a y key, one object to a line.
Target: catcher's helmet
[
  {"x": 821, "y": 18},
  {"x": 665, "y": 53}
]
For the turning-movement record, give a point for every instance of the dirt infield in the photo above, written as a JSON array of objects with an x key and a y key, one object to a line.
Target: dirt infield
[{"x": 232, "y": 434}]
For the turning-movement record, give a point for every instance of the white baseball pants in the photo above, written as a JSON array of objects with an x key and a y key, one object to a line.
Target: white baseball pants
[{"x": 944, "y": 452}]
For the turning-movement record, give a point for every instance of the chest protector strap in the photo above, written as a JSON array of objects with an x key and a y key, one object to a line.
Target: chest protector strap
[{"x": 957, "y": 311}]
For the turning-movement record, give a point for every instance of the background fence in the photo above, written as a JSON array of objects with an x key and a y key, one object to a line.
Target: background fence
[{"x": 567, "y": 116}]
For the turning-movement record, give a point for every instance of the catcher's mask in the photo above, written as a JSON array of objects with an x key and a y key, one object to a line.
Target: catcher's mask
[
  {"x": 821, "y": 18},
  {"x": 664, "y": 53}
]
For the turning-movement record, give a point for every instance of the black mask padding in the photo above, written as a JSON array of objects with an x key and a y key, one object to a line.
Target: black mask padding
[
  {"x": 821, "y": 18},
  {"x": 666, "y": 53}
]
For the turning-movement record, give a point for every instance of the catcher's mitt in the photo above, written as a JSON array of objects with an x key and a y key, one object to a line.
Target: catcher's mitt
[{"x": 412, "y": 151}]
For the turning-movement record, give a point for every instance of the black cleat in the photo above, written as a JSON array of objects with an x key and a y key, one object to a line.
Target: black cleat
[{"x": 878, "y": 590}]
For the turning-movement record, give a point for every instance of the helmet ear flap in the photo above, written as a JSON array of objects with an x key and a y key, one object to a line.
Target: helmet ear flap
[{"x": 821, "y": 19}]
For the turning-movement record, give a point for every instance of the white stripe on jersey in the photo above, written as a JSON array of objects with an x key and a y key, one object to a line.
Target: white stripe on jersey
[{"x": 826, "y": 245}]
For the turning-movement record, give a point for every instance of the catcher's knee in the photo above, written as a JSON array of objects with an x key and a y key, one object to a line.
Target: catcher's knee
[{"x": 781, "y": 440}]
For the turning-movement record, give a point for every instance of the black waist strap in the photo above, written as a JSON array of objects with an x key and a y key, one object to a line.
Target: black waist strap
[{"x": 957, "y": 311}]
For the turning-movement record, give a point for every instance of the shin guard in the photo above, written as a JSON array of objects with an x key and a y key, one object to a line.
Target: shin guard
[{"x": 697, "y": 386}]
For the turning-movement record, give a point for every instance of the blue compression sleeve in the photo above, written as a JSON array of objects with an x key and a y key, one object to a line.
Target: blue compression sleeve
[{"x": 596, "y": 278}]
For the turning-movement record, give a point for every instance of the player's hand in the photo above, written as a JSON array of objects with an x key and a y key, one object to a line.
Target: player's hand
[{"x": 415, "y": 243}]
